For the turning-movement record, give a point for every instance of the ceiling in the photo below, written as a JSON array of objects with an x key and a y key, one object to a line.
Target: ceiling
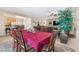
[{"x": 31, "y": 11}]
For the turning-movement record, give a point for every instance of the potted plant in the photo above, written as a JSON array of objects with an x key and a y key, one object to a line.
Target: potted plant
[{"x": 65, "y": 19}]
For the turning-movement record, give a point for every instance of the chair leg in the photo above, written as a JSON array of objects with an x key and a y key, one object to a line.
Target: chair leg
[
  {"x": 28, "y": 49},
  {"x": 14, "y": 45},
  {"x": 20, "y": 48},
  {"x": 53, "y": 48},
  {"x": 48, "y": 48},
  {"x": 17, "y": 47}
]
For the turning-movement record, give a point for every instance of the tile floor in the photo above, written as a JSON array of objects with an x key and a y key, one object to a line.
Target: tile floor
[
  {"x": 7, "y": 41},
  {"x": 6, "y": 44}
]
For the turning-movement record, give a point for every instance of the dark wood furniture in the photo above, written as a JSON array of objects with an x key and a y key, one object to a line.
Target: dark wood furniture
[
  {"x": 15, "y": 41},
  {"x": 21, "y": 42},
  {"x": 7, "y": 29},
  {"x": 51, "y": 45},
  {"x": 46, "y": 28}
]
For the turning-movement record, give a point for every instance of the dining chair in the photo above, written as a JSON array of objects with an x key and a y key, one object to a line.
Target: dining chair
[
  {"x": 51, "y": 46},
  {"x": 21, "y": 42},
  {"x": 15, "y": 41}
]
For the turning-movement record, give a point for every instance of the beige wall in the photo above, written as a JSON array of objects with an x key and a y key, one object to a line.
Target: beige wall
[
  {"x": 2, "y": 27},
  {"x": 76, "y": 23},
  {"x": 41, "y": 21},
  {"x": 28, "y": 22}
]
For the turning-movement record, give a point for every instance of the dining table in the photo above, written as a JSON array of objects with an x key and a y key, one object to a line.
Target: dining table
[{"x": 37, "y": 39}]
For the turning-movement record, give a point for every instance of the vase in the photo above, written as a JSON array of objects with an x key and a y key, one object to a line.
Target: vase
[{"x": 63, "y": 37}]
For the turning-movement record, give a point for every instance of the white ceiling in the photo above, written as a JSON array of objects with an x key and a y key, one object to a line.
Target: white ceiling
[{"x": 31, "y": 11}]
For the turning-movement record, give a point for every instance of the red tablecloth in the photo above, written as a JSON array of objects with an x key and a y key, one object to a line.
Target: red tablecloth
[{"x": 36, "y": 40}]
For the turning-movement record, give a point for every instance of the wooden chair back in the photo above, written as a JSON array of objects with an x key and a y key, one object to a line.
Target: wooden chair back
[
  {"x": 20, "y": 38},
  {"x": 13, "y": 33},
  {"x": 51, "y": 44}
]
